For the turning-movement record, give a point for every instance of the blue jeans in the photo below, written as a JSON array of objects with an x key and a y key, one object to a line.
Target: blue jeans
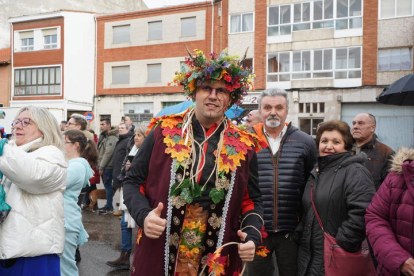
[
  {"x": 107, "y": 181},
  {"x": 126, "y": 235}
]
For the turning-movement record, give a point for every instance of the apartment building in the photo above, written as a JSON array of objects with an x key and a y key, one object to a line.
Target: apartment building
[
  {"x": 139, "y": 52},
  {"x": 332, "y": 56},
  {"x": 53, "y": 59},
  {"x": 5, "y": 76}
]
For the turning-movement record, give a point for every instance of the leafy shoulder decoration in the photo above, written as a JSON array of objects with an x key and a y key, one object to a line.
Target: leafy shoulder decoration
[{"x": 236, "y": 144}]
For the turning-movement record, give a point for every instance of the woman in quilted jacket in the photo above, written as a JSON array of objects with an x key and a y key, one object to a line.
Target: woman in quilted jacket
[{"x": 390, "y": 218}]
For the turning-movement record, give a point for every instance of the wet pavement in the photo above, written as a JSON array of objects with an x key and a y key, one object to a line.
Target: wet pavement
[{"x": 104, "y": 243}]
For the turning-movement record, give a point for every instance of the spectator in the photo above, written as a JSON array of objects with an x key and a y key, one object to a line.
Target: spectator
[
  {"x": 32, "y": 236},
  {"x": 63, "y": 125},
  {"x": 284, "y": 168},
  {"x": 78, "y": 121},
  {"x": 128, "y": 121},
  {"x": 127, "y": 223},
  {"x": 106, "y": 146},
  {"x": 120, "y": 152},
  {"x": 390, "y": 218},
  {"x": 252, "y": 119},
  {"x": 379, "y": 154},
  {"x": 81, "y": 152},
  {"x": 342, "y": 188}
]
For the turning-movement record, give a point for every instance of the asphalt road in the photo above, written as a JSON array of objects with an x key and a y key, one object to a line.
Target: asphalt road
[{"x": 104, "y": 243}]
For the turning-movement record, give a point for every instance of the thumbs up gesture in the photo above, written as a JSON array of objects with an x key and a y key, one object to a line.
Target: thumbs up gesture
[
  {"x": 154, "y": 225},
  {"x": 246, "y": 250}
]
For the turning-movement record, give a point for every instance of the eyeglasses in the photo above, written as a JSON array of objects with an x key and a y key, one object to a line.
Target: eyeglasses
[
  {"x": 68, "y": 124},
  {"x": 25, "y": 122}
]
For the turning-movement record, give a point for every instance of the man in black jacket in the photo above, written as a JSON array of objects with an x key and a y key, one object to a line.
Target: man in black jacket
[
  {"x": 379, "y": 155},
  {"x": 283, "y": 170}
]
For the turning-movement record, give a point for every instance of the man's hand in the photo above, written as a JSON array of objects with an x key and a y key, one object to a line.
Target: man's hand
[
  {"x": 127, "y": 165},
  {"x": 100, "y": 172},
  {"x": 246, "y": 250},
  {"x": 407, "y": 267},
  {"x": 154, "y": 225}
]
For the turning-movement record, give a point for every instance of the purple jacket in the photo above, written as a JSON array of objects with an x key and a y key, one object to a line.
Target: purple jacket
[{"x": 390, "y": 217}]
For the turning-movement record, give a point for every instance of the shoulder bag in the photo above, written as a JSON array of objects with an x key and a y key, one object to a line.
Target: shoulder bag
[{"x": 339, "y": 262}]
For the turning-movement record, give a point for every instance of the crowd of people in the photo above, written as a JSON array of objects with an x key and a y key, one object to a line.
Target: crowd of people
[{"x": 208, "y": 195}]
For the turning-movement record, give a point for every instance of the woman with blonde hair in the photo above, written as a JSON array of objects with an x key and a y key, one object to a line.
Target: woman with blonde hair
[{"x": 34, "y": 167}]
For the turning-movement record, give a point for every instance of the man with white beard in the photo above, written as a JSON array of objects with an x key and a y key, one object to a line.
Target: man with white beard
[{"x": 284, "y": 167}]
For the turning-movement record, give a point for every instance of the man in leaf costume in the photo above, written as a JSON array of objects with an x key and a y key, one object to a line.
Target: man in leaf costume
[{"x": 193, "y": 185}]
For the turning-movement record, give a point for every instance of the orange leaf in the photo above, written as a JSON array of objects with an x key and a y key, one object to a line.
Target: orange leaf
[{"x": 262, "y": 251}]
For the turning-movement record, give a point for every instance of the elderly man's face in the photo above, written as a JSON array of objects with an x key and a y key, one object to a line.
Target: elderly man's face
[
  {"x": 363, "y": 128},
  {"x": 273, "y": 111},
  {"x": 212, "y": 100}
]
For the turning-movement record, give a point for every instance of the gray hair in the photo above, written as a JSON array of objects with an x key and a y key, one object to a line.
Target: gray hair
[
  {"x": 141, "y": 129},
  {"x": 48, "y": 126},
  {"x": 273, "y": 92}
]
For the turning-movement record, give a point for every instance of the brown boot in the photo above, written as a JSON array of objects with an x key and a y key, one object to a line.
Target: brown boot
[
  {"x": 117, "y": 213},
  {"x": 122, "y": 262}
]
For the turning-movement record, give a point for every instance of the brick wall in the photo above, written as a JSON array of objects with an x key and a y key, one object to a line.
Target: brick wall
[
  {"x": 370, "y": 42},
  {"x": 160, "y": 50},
  {"x": 260, "y": 44},
  {"x": 5, "y": 79}
]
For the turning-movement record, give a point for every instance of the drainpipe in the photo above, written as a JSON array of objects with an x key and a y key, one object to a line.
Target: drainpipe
[
  {"x": 94, "y": 107},
  {"x": 12, "y": 63},
  {"x": 212, "y": 26}
]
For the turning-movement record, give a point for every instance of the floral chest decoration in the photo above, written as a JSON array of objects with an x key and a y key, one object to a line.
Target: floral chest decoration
[{"x": 231, "y": 151}]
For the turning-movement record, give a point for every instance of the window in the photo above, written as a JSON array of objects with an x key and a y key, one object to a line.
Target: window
[
  {"x": 37, "y": 81},
  {"x": 240, "y": 23},
  {"x": 395, "y": 59},
  {"x": 322, "y": 61},
  {"x": 27, "y": 44},
  {"x": 287, "y": 18},
  {"x": 316, "y": 108},
  {"x": 154, "y": 72},
  {"x": 50, "y": 38},
  {"x": 188, "y": 26},
  {"x": 166, "y": 104},
  {"x": 351, "y": 11},
  {"x": 339, "y": 63},
  {"x": 50, "y": 41},
  {"x": 121, "y": 34},
  {"x": 395, "y": 8},
  {"x": 310, "y": 125},
  {"x": 120, "y": 75},
  {"x": 155, "y": 30}
]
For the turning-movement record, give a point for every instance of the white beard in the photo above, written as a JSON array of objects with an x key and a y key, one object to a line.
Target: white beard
[{"x": 273, "y": 122}]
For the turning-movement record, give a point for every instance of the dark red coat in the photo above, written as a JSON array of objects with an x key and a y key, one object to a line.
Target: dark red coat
[
  {"x": 390, "y": 217},
  {"x": 149, "y": 257}
]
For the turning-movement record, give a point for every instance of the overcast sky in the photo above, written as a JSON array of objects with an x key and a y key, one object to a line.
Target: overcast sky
[{"x": 162, "y": 3}]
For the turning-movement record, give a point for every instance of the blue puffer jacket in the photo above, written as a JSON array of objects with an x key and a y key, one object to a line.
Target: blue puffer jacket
[{"x": 292, "y": 165}]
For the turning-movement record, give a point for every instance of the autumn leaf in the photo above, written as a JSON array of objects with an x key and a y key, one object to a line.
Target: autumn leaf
[
  {"x": 262, "y": 251},
  {"x": 217, "y": 268}
]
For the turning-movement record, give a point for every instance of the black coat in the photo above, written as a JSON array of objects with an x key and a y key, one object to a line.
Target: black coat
[
  {"x": 121, "y": 150},
  {"x": 343, "y": 189},
  {"x": 282, "y": 177}
]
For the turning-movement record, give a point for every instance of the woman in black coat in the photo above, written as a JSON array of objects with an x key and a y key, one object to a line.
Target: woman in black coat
[
  {"x": 120, "y": 151},
  {"x": 342, "y": 189}
]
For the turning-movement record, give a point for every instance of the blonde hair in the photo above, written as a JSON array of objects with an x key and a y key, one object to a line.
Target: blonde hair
[{"x": 48, "y": 126}]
